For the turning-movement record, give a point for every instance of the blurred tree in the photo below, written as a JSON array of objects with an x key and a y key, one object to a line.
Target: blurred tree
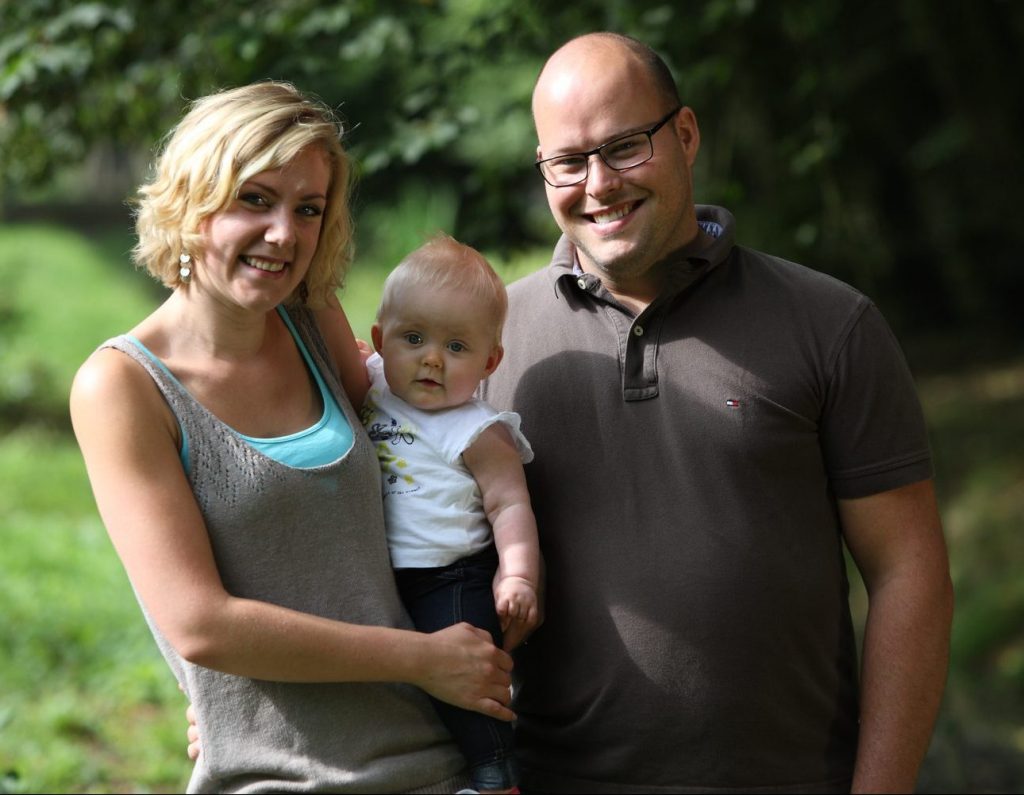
[{"x": 871, "y": 140}]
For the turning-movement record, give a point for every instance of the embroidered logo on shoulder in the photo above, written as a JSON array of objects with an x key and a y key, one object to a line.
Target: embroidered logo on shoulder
[{"x": 733, "y": 403}]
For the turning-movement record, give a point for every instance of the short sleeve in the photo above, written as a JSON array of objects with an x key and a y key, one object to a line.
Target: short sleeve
[
  {"x": 512, "y": 421},
  {"x": 873, "y": 432},
  {"x": 455, "y": 430}
]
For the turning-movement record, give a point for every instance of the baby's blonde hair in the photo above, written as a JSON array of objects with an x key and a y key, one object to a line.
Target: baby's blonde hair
[
  {"x": 224, "y": 140},
  {"x": 445, "y": 263}
]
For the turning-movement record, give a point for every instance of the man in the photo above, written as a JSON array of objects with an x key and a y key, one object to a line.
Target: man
[{"x": 710, "y": 425}]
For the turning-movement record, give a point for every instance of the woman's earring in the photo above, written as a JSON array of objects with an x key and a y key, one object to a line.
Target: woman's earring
[{"x": 185, "y": 272}]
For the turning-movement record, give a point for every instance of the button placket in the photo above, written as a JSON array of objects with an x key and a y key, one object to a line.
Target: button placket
[
  {"x": 640, "y": 377},
  {"x": 637, "y": 352}
]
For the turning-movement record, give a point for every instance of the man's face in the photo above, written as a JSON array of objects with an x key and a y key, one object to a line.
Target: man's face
[{"x": 622, "y": 222}]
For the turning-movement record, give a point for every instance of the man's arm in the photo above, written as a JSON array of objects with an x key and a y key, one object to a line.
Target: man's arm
[{"x": 896, "y": 540}]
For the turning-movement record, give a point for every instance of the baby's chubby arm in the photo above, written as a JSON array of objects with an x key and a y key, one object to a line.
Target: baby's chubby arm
[{"x": 495, "y": 464}]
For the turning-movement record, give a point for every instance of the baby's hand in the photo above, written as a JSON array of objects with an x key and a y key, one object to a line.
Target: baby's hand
[
  {"x": 516, "y": 602},
  {"x": 365, "y": 351}
]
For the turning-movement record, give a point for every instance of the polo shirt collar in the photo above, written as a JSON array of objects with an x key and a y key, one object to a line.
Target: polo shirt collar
[{"x": 708, "y": 251}]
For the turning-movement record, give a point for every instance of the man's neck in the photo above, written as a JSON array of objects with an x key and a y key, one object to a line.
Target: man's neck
[{"x": 638, "y": 292}]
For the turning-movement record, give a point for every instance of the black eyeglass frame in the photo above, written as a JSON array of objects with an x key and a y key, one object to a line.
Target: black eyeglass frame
[{"x": 539, "y": 164}]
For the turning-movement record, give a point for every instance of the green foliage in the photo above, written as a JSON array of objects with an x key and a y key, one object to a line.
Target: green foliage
[
  {"x": 976, "y": 420},
  {"x": 876, "y": 127},
  {"x": 875, "y": 143},
  {"x": 42, "y": 344},
  {"x": 986, "y": 473}
]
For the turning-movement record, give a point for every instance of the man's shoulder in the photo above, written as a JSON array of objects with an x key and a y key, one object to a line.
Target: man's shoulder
[
  {"x": 770, "y": 272},
  {"x": 529, "y": 296},
  {"x": 531, "y": 283}
]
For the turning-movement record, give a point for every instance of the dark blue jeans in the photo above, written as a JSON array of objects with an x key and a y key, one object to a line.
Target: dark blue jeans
[{"x": 441, "y": 597}]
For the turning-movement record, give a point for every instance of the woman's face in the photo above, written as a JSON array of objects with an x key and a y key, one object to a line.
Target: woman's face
[{"x": 258, "y": 249}]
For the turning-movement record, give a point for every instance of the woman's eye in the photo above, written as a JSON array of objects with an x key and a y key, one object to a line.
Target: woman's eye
[
  {"x": 256, "y": 199},
  {"x": 311, "y": 210}
]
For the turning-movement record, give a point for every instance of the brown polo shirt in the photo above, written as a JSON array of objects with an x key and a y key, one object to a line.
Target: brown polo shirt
[{"x": 688, "y": 462}]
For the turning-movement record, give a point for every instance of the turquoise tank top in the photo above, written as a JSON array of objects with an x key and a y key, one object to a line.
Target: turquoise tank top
[{"x": 321, "y": 443}]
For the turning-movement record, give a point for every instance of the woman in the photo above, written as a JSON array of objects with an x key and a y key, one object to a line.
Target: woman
[{"x": 237, "y": 485}]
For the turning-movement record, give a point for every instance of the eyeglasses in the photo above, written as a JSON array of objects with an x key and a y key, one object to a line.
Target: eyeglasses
[{"x": 623, "y": 153}]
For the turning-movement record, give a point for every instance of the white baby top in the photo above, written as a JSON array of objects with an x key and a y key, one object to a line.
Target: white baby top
[{"x": 433, "y": 508}]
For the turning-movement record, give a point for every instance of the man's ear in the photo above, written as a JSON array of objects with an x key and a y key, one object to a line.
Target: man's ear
[
  {"x": 688, "y": 133},
  {"x": 377, "y": 335},
  {"x": 497, "y": 354}
]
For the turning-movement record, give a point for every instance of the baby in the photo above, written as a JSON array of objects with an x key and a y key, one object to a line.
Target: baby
[{"x": 461, "y": 532}]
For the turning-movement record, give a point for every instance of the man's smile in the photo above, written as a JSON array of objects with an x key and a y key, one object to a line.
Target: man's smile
[{"x": 609, "y": 215}]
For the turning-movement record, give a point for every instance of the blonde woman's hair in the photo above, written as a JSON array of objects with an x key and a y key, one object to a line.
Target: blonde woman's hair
[
  {"x": 444, "y": 263},
  {"x": 224, "y": 140}
]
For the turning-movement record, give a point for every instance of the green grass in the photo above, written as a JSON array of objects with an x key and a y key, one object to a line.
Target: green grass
[
  {"x": 88, "y": 705},
  {"x": 63, "y": 295}
]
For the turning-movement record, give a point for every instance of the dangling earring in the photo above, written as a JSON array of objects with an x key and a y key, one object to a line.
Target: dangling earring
[{"x": 185, "y": 272}]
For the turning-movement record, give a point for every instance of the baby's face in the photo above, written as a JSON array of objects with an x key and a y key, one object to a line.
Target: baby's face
[{"x": 437, "y": 345}]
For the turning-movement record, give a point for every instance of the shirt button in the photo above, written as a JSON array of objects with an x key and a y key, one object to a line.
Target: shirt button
[{"x": 638, "y": 331}]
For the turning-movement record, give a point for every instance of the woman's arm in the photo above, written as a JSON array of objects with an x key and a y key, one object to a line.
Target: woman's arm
[
  {"x": 129, "y": 440},
  {"x": 341, "y": 342},
  {"x": 495, "y": 464}
]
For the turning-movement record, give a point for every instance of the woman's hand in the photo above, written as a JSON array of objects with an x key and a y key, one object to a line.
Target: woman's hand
[
  {"x": 463, "y": 667},
  {"x": 194, "y": 746}
]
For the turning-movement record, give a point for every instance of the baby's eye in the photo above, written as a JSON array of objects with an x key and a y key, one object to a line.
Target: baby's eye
[
  {"x": 413, "y": 338},
  {"x": 456, "y": 347}
]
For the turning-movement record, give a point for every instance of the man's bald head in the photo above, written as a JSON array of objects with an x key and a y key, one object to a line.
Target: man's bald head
[{"x": 587, "y": 52}]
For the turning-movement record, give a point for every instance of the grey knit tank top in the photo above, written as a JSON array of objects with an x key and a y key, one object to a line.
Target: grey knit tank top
[{"x": 311, "y": 540}]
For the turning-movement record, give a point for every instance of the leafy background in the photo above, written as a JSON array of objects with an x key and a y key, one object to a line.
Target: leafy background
[{"x": 874, "y": 141}]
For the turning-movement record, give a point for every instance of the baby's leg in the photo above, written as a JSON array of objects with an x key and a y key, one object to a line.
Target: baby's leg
[{"x": 438, "y": 598}]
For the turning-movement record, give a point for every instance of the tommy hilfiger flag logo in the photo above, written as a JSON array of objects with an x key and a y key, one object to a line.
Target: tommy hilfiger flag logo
[{"x": 732, "y": 403}]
